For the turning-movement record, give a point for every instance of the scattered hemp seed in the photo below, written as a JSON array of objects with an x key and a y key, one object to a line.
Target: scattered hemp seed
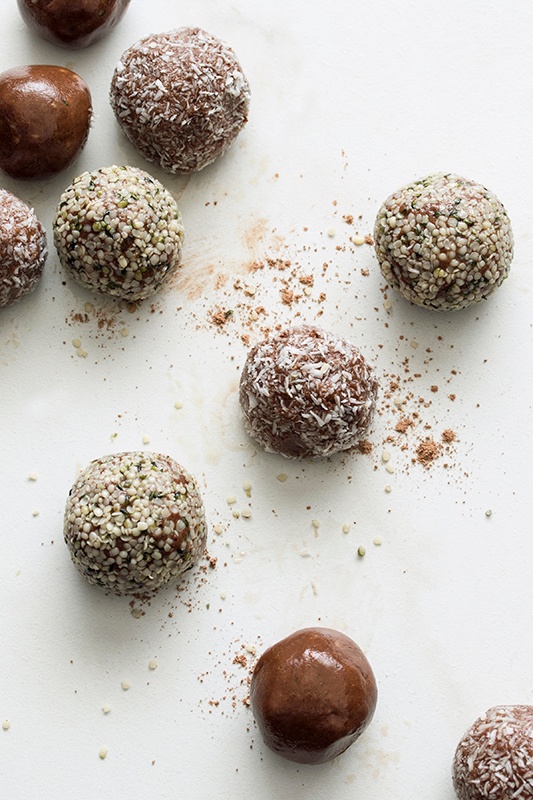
[
  {"x": 178, "y": 404},
  {"x": 32, "y": 476},
  {"x": 488, "y": 513},
  {"x": 231, "y": 499},
  {"x": 76, "y": 343},
  {"x": 315, "y": 523},
  {"x": 246, "y": 513},
  {"x": 377, "y": 541},
  {"x": 6, "y": 725},
  {"x": 308, "y": 291},
  {"x": 124, "y": 332},
  {"x": 106, "y": 709},
  {"x": 388, "y": 488},
  {"x": 136, "y": 612},
  {"x": 146, "y": 439},
  {"x": 282, "y": 477},
  {"x": 218, "y": 529},
  {"x": 236, "y": 514},
  {"x": 88, "y": 307},
  {"x": 223, "y": 595},
  {"x": 247, "y": 488},
  {"x": 81, "y": 352},
  {"x": 126, "y": 685},
  {"x": 152, "y": 664},
  {"x": 389, "y": 468},
  {"x": 35, "y": 513},
  {"x": 387, "y": 305},
  {"x": 361, "y": 551},
  {"x": 385, "y": 456},
  {"x": 251, "y": 648},
  {"x": 346, "y": 528},
  {"x": 103, "y": 752},
  {"x": 357, "y": 240},
  {"x": 398, "y": 402},
  {"x": 331, "y": 233},
  {"x": 413, "y": 343}
]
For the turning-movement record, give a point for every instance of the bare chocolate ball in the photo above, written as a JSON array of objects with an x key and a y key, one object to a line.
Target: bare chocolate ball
[
  {"x": 72, "y": 23},
  {"x": 181, "y": 98},
  {"x": 305, "y": 392},
  {"x": 134, "y": 521},
  {"x": 443, "y": 242},
  {"x": 45, "y": 116},
  {"x": 494, "y": 759},
  {"x": 312, "y": 695},
  {"x": 23, "y": 249},
  {"x": 119, "y": 231}
]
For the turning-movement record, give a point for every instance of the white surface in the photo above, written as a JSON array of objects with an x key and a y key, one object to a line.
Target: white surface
[{"x": 350, "y": 101}]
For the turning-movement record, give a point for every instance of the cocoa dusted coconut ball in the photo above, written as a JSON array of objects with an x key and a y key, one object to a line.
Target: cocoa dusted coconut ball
[
  {"x": 494, "y": 759},
  {"x": 134, "y": 522},
  {"x": 443, "y": 242},
  {"x": 312, "y": 695},
  {"x": 305, "y": 392},
  {"x": 23, "y": 249},
  {"x": 181, "y": 98},
  {"x": 119, "y": 231}
]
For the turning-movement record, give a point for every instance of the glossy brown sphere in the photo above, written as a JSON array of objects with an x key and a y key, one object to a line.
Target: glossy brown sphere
[
  {"x": 72, "y": 23},
  {"x": 312, "y": 695},
  {"x": 45, "y": 116}
]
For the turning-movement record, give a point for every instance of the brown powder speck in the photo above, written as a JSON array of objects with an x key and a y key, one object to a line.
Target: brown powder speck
[
  {"x": 220, "y": 316},
  {"x": 448, "y": 436},
  {"x": 426, "y": 452},
  {"x": 287, "y": 296},
  {"x": 348, "y": 219},
  {"x": 403, "y": 424},
  {"x": 434, "y": 388},
  {"x": 240, "y": 659},
  {"x": 365, "y": 447},
  {"x": 369, "y": 239}
]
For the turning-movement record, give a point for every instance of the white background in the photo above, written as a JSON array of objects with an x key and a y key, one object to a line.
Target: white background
[{"x": 350, "y": 101}]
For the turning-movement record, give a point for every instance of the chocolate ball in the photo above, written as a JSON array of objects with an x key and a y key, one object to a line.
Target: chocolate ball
[
  {"x": 181, "y": 98},
  {"x": 312, "y": 695},
  {"x": 134, "y": 521},
  {"x": 494, "y": 759},
  {"x": 443, "y": 242},
  {"x": 72, "y": 23},
  {"x": 45, "y": 116},
  {"x": 23, "y": 249},
  {"x": 305, "y": 392},
  {"x": 119, "y": 231}
]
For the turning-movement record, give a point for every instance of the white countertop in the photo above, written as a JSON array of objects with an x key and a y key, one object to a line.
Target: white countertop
[{"x": 348, "y": 103}]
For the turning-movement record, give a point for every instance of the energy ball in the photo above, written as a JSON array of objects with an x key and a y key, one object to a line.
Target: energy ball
[
  {"x": 443, "y": 242},
  {"x": 312, "y": 695},
  {"x": 494, "y": 759},
  {"x": 23, "y": 249},
  {"x": 134, "y": 522},
  {"x": 45, "y": 117},
  {"x": 181, "y": 98},
  {"x": 72, "y": 23},
  {"x": 305, "y": 392},
  {"x": 119, "y": 231}
]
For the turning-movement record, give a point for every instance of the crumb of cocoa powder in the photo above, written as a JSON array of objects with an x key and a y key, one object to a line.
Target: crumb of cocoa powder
[
  {"x": 365, "y": 447},
  {"x": 220, "y": 316},
  {"x": 403, "y": 424},
  {"x": 448, "y": 436},
  {"x": 427, "y": 451},
  {"x": 369, "y": 239},
  {"x": 287, "y": 296},
  {"x": 348, "y": 219}
]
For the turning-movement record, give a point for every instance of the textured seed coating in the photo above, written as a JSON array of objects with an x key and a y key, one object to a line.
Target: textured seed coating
[
  {"x": 23, "y": 249},
  {"x": 134, "y": 521},
  {"x": 119, "y": 231},
  {"x": 443, "y": 242}
]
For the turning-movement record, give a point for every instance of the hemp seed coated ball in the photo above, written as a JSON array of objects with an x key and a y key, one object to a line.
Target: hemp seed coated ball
[
  {"x": 119, "y": 231},
  {"x": 305, "y": 392},
  {"x": 443, "y": 242},
  {"x": 494, "y": 759},
  {"x": 23, "y": 249},
  {"x": 181, "y": 98},
  {"x": 134, "y": 521}
]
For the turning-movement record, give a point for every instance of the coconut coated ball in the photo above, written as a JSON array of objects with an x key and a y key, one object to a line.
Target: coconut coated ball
[
  {"x": 181, "y": 98},
  {"x": 134, "y": 521},
  {"x": 23, "y": 249},
  {"x": 312, "y": 695},
  {"x": 494, "y": 759},
  {"x": 443, "y": 242},
  {"x": 305, "y": 392},
  {"x": 119, "y": 231}
]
